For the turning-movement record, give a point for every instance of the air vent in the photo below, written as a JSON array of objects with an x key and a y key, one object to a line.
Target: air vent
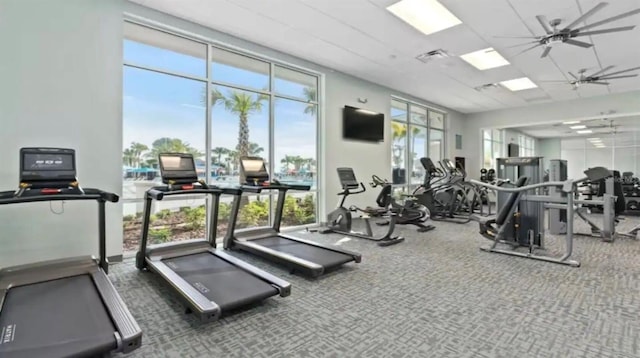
[
  {"x": 486, "y": 87},
  {"x": 432, "y": 55}
]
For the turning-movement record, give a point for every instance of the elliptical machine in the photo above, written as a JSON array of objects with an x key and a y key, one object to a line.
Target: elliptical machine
[
  {"x": 340, "y": 220},
  {"x": 409, "y": 213}
]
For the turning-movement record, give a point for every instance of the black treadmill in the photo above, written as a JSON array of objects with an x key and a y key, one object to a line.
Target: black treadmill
[
  {"x": 210, "y": 282},
  {"x": 303, "y": 256},
  {"x": 66, "y": 307}
]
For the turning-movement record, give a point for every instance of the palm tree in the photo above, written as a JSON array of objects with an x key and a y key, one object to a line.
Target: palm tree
[
  {"x": 255, "y": 149},
  {"x": 219, "y": 152},
  {"x": 243, "y": 104},
  {"x": 137, "y": 150},
  {"x": 298, "y": 162},
  {"x": 232, "y": 160},
  {"x": 171, "y": 145},
  {"x": 127, "y": 157},
  {"x": 311, "y": 95},
  {"x": 288, "y": 159}
]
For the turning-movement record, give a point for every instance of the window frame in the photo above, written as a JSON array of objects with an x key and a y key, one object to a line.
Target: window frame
[
  {"x": 493, "y": 142},
  {"x": 216, "y": 45},
  {"x": 527, "y": 145},
  {"x": 408, "y": 186}
]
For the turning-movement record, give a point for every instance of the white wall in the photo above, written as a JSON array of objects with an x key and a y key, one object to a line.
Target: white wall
[
  {"x": 339, "y": 90},
  {"x": 581, "y": 154},
  {"x": 585, "y": 108},
  {"x": 549, "y": 148},
  {"x": 60, "y": 72}
]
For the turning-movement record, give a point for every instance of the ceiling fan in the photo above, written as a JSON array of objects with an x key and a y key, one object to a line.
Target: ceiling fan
[
  {"x": 597, "y": 78},
  {"x": 555, "y": 35}
]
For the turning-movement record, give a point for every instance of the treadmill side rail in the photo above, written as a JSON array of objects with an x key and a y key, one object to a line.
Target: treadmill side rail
[
  {"x": 206, "y": 310},
  {"x": 356, "y": 256},
  {"x": 284, "y": 287},
  {"x": 313, "y": 268},
  {"x": 128, "y": 329}
]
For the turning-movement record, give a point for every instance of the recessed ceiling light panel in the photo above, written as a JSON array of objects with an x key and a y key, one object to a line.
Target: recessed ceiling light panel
[
  {"x": 578, "y": 127},
  {"x": 485, "y": 59},
  {"x": 519, "y": 84},
  {"x": 427, "y": 16},
  {"x": 585, "y": 131},
  {"x": 571, "y": 122}
]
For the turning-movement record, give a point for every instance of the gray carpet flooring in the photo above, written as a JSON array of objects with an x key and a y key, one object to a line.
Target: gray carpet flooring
[{"x": 434, "y": 295}]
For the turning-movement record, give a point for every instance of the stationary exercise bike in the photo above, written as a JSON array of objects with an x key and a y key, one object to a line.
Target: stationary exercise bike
[
  {"x": 340, "y": 220},
  {"x": 409, "y": 213}
]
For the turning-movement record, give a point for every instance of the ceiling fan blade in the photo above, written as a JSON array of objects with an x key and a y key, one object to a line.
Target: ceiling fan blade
[
  {"x": 574, "y": 76},
  {"x": 546, "y": 52},
  {"x": 586, "y": 15},
  {"x": 516, "y": 37},
  {"x": 522, "y": 44},
  {"x": 605, "y": 31},
  {"x": 602, "y": 22},
  {"x": 545, "y": 24},
  {"x": 606, "y": 78},
  {"x": 526, "y": 50},
  {"x": 602, "y": 71},
  {"x": 598, "y": 83},
  {"x": 622, "y": 71},
  {"x": 578, "y": 43}
]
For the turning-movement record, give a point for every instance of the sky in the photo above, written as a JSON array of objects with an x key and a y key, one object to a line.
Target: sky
[{"x": 157, "y": 105}]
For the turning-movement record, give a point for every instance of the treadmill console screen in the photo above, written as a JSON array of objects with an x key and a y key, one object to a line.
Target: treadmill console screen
[
  {"x": 347, "y": 178},
  {"x": 51, "y": 165},
  {"x": 253, "y": 171},
  {"x": 177, "y": 168}
]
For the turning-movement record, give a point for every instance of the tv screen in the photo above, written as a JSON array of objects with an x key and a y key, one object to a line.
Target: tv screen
[{"x": 361, "y": 124}]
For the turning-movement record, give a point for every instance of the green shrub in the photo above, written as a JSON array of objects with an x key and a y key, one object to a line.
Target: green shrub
[
  {"x": 195, "y": 217},
  {"x": 163, "y": 214},
  {"x": 299, "y": 211},
  {"x": 160, "y": 235},
  {"x": 127, "y": 218},
  {"x": 255, "y": 213},
  {"x": 224, "y": 211},
  {"x": 139, "y": 214}
]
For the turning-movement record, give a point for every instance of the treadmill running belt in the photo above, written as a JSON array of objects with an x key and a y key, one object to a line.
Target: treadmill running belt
[
  {"x": 221, "y": 282},
  {"x": 59, "y": 318},
  {"x": 323, "y": 257}
]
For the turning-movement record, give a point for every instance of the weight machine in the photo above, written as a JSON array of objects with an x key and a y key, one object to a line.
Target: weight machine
[{"x": 612, "y": 203}]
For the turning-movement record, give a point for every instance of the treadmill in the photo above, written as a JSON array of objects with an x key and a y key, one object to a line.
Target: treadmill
[
  {"x": 298, "y": 255},
  {"x": 209, "y": 281},
  {"x": 66, "y": 307}
]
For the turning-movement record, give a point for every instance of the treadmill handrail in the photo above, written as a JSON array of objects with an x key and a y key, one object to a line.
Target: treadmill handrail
[
  {"x": 281, "y": 186},
  {"x": 158, "y": 193},
  {"x": 29, "y": 196},
  {"x": 9, "y": 197}
]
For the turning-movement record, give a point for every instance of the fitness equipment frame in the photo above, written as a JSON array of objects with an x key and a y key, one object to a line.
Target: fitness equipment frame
[
  {"x": 611, "y": 209},
  {"x": 503, "y": 235},
  {"x": 43, "y": 306},
  {"x": 209, "y": 281},
  {"x": 340, "y": 220},
  {"x": 409, "y": 213}
]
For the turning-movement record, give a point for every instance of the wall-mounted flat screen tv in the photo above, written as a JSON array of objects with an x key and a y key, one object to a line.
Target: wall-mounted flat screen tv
[{"x": 361, "y": 124}]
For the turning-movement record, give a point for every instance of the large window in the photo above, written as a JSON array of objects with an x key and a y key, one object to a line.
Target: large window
[
  {"x": 491, "y": 147},
  {"x": 233, "y": 105},
  {"x": 527, "y": 145},
  {"x": 417, "y": 131}
]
